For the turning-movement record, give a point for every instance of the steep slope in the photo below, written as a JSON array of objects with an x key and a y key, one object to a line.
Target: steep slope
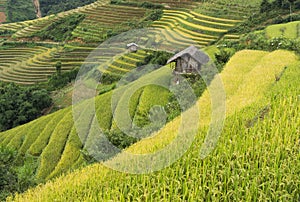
[
  {"x": 28, "y": 10},
  {"x": 53, "y": 139},
  {"x": 27, "y": 65},
  {"x": 256, "y": 157},
  {"x": 176, "y": 30},
  {"x": 203, "y": 24},
  {"x": 289, "y": 30}
]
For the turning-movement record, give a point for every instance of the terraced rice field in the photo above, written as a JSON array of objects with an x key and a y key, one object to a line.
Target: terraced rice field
[
  {"x": 203, "y": 25},
  {"x": 27, "y": 66},
  {"x": 14, "y": 59},
  {"x": 235, "y": 9},
  {"x": 185, "y": 27},
  {"x": 176, "y": 29},
  {"x": 175, "y": 4},
  {"x": 125, "y": 63},
  {"x": 27, "y": 28},
  {"x": 53, "y": 139},
  {"x": 102, "y": 18},
  {"x": 248, "y": 163}
]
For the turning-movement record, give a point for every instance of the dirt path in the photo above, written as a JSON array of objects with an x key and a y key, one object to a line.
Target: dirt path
[
  {"x": 36, "y": 4},
  {"x": 2, "y": 17}
]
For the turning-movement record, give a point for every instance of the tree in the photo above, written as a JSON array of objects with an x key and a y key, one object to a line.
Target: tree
[
  {"x": 279, "y": 3},
  {"x": 58, "y": 67},
  {"x": 291, "y": 2},
  {"x": 15, "y": 177},
  {"x": 265, "y": 6},
  {"x": 19, "y": 105}
]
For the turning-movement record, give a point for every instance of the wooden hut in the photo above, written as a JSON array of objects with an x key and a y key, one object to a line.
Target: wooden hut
[
  {"x": 132, "y": 47},
  {"x": 189, "y": 60}
]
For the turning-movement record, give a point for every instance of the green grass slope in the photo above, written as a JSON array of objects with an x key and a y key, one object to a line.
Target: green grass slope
[
  {"x": 289, "y": 30},
  {"x": 53, "y": 139},
  {"x": 256, "y": 158}
]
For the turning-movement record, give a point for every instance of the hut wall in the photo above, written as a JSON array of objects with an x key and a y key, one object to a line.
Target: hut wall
[
  {"x": 133, "y": 48},
  {"x": 187, "y": 64}
]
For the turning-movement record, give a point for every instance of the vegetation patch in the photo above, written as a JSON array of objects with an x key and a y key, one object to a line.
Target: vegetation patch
[
  {"x": 145, "y": 4},
  {"x": 15, "y": 177},
  {"x": 20, "y": 105},
  {"x": 57, "y": 6},
  {"x": 22, "y": 10},
  {"x": 61, "y": 29}
]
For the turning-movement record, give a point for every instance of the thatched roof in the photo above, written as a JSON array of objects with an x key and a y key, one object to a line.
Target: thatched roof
[{"x": 193, "y": 52}]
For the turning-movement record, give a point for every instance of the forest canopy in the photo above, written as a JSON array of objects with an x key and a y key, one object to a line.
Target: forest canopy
[{"x": 19, "y": 105}]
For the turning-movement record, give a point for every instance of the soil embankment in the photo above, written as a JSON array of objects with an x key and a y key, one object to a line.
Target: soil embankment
[{"x": 2, "y": 17}]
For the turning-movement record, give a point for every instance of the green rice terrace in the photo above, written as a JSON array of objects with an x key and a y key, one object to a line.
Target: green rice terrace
[
  {"x": 178, "y": 28},
  {"x": 112, "y": 70}
]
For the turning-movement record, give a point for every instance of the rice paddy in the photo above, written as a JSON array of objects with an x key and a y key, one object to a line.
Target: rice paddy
[{"x": 256, "y": 158}]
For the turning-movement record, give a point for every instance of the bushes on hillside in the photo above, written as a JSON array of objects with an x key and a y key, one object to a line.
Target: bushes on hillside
[
  {"x": 57, "y": 6},
  {"x": 60, "y": 30},
  {"x": 144, "y": 4},
  {"x": 267, "y": 6},
  {"x": 14, "y": 177},
  {"x": 59, "y": 80},
  {"x": 258, "y": 41},
  {"x": 17, "y": 10},
  {"x": 21, "y": 10},
  {"x": 156, "y": 57},
  {"x": 270, "y": 13},
  {"x": 20, "y": 105},
  {"x": 154, "y": 15}
]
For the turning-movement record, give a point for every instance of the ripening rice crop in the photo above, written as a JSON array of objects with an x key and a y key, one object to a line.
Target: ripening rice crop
[{"x": 255, "y": 159}]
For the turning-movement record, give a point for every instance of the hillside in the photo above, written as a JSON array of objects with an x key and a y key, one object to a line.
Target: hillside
[
  {"x": 118, "y": 125},
  {"x": 53, "y": 138},
  {"x": 288, "y": 30},
  {"x": 258, "y": 148},
  {"x": 38, "y": 42},
  {"x": 26, "y": 10}
]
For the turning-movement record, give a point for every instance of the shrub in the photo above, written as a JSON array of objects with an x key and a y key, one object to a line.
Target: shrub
[
  {"x": 144, "y": 4},
  {"x": 60, "y": 30},
  {"x": 59, "y": 80},
  {"x": 13, "y": 177}
]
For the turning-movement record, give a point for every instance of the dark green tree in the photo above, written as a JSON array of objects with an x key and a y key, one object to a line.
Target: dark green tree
[
  {"x": 58, "y": 67},
  {"x": 19, "y": 105},
  {"x": 291, "y": 2},
  {"x": 265, "y": 6}
]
